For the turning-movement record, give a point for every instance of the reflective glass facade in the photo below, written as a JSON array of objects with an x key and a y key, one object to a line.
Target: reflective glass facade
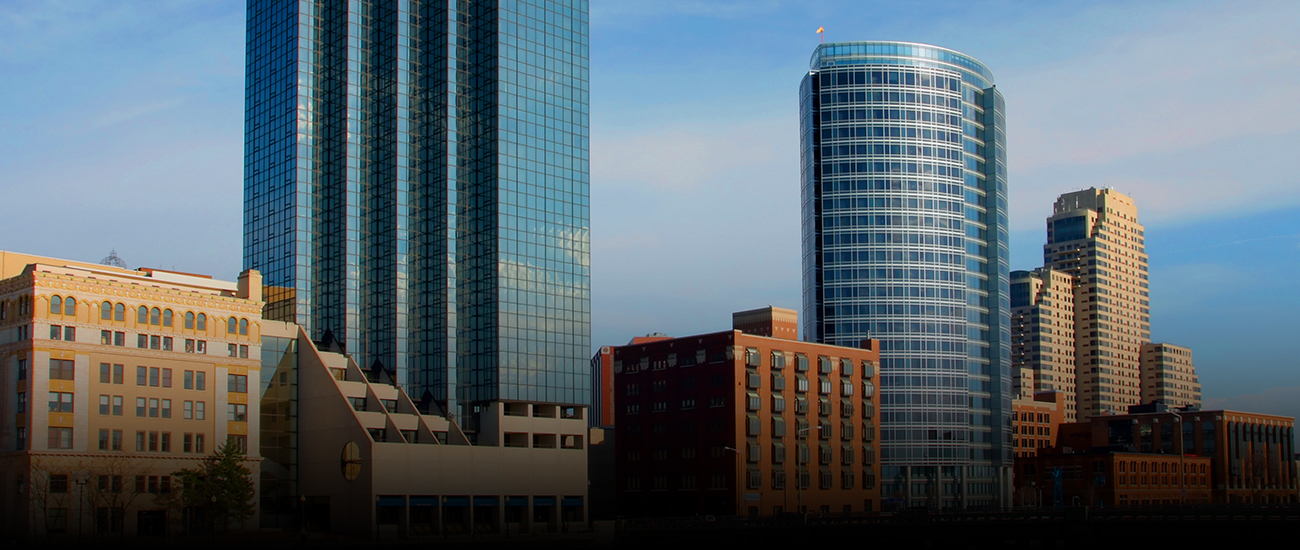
[
  {"x": 416, "y": 185},
  {"x": 904, "y": 214}
]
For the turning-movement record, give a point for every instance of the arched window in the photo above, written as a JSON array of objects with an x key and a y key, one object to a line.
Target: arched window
[
  {"x": 106, "y": 311},
  {"x": 167, "y": 317},
  {"x": 202, "y": 322},
  {"x": 189, "y": 320},
  {"x": 119, "y": 312},
  {"x": 155, "y": 316},
  {"x": 142, "y": 316},
  {"x": 56, "y": 305},
  {"x": 232, "y": 325},
  {"x": 70, "y": 306},
  {"x": 243, "y": 327}
]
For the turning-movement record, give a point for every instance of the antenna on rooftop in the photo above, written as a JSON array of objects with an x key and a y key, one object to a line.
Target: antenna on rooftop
[{"x": 113, "y": 259}]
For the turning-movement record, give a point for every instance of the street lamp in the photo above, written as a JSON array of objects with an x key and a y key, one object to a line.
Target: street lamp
[
  {"x": 739, "y": 480},
  {"x": 81, "y": 506},
  {"x": 801, "y": 434},
  {"x": 1182, "y": 457}
]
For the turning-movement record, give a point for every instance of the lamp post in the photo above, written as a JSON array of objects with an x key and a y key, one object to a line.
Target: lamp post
[
  {"x": 740, "y": 479},
  {"x": 1182, "y": 458},
  {"x": 81, "y": 505},
  {"x": 801, "y": 435}
]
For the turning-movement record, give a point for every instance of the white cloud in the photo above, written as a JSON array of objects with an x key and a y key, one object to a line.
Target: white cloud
[
  {"x": 622, "y": 12},
  {"x": 1129, "y": 111},
  {"x": 1283, "y": 401}
]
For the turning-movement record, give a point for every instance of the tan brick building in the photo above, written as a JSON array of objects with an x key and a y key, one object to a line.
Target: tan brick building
[
  {"x": 746, "y": 422},
  {"x": 1043, "y": 334},
  {"x": 1168, "y": 376},
  {"x": 113, "y": 379},
  {"x": 1094, "y": 236}
]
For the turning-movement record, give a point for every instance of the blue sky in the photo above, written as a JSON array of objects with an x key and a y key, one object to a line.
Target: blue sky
[{"x": 123, "y": 129}]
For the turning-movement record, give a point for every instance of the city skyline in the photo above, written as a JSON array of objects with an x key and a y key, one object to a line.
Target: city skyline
[{"x": 165, "y": 119}]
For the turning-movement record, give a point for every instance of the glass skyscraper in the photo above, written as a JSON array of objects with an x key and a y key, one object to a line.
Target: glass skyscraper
[
  {"x": 416, "y": 186},
  {"x": 904, "y": 212}
]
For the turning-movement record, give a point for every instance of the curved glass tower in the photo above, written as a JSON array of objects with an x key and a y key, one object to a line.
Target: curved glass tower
[{"x": 905, "y": 240}]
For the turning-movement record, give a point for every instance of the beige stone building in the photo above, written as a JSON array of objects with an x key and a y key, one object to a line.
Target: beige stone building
[
  {"x": 111, "y": 380},
  {"x": 1168, "y": 376},
  {"x": 369, "y": 461},
  {"x": 1094, "y": 236},
  {"x": 1043, "y": 335}
]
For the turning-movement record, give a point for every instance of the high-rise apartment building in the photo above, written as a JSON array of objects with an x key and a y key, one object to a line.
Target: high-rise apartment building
[
  {"x": 1094, "y": 236},
  {"x": 1168, "y": 376},
  {"x": 904, "y": 200},
  {"x": 111, "y": 381},
  {"x": 416, "y": 187},
  {"x": 1042, "y": 334}
]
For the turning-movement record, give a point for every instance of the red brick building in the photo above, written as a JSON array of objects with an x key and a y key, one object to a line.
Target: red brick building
[
  {"x": 746, "y": 423},
  {"x": 1250, "y": 456}
]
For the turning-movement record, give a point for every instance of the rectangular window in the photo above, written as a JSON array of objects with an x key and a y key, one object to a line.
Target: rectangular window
[
  {"x": 119, "y": 339},
  {"x": 60, "y": 402},
  {"x": 60, "y": 438},
  {"x": 153, "y": 407},
  {"x": 189, "y": 345},
  {"x": 154, "y": 376},
  {"x": 153, "y": 441},
  {"x": 166, "y": 378},
  {"x": 166, "y": 442},
  {"x": 200, "y": 378},
  {"x": 142, "y": 376},
  {"x": 141, "y": 407},
  {"x": 237, "y": 383},
  {"x": 61, "y": 369},
  {"x": 21, "y": 402},
  {"x": 56, "y": 332},
  {"x": 105, "y": 373},
  {"x": 167, "y": 408},
  {"x": 56, "y": 521},
  {"x": 243, "y": 352},
  {"x": 103, "y": 440},
  {"x": 103, "y": 405},
  {"x": 201, "y": 346},
  {"x": 188, "y": 380},
  {"x": 232, "y": 350},
  {"x": 167, "y": 343},
  {"x": 117, "y": 405},
  {"x": 187, "y": 410},
  {"x": 117, "y": 440},
  {"x": 70, "y": 334},
  {"x": 198, "y": 443},
  {"x": 155, "y": 342},
  {"x": 142, "y": 341},
  {"x": 117, "y": 373},
  {"x": 139, "y": 441},
  {"x": 238, "y": 412},
  {"x": 198, "y": 410},
  {"x": 187, "y": 443}
]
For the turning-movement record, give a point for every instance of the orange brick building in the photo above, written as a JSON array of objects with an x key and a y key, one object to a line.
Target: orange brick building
[
  {"x": 1035, "y": 421},
  {"x": 1250, "y": 456},
  {"x": 746, "y": 422}
]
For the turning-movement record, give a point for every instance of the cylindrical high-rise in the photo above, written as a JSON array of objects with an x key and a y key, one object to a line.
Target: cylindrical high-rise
[{"x": 905, "y": 240}]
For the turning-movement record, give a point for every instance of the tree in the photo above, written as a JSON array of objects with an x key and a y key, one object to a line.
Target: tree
[
  {"x": 221, "y": 486},
  {"x": 111, "y": 485}
]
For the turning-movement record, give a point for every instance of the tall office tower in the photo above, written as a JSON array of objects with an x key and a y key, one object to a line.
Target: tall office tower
[
  {"x": 416, "y": 186},
  {"x": 1168, "y": 376},
  {"x": 905, "y": 240},
  {"x": 1094, "y": 236},
  {"x": 1042, "y": 333}
]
